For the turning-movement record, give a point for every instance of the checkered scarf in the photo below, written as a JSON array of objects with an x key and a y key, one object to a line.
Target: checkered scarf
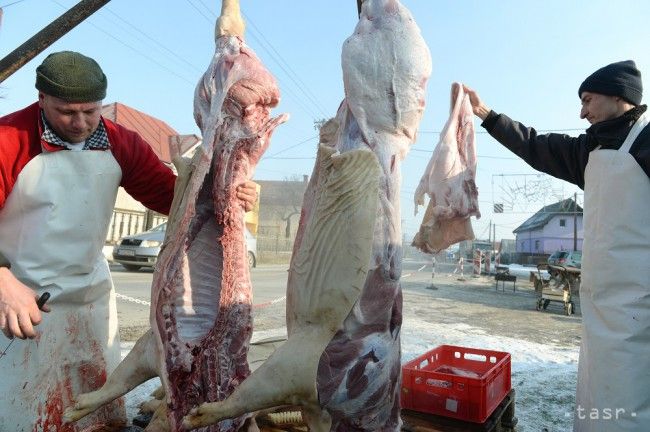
[{"x": 97, "y": 141}]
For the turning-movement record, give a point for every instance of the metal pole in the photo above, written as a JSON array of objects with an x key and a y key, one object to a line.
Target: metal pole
[
  {"x": 47, "y": 36},
  {"x": 490, "y": 232},
  {"x": 359, "y": 7},
  {"x": 575, "y": 222}
]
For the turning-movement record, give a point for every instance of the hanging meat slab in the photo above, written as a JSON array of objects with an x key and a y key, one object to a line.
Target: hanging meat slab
[{"x": 450, "y": 181}]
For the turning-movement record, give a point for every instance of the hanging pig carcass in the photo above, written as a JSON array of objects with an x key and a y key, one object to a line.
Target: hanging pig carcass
[
  {"x": 450, "y": 181},
  {"x": 201, "y": 292},
  {"x": 341, "y": 361}
]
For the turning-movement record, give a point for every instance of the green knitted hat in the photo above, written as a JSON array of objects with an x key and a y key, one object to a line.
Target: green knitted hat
[{"x": 72, "y": 77}]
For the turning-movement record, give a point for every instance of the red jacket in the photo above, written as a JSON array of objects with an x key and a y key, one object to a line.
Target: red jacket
[{"x": 144, "y": 176}]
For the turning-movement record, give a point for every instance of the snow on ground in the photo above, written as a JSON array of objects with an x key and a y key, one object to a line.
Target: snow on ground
[
  {"x": 543, "y": 375},
  {"x": 142, "y": 393},
  {"x": 524, "y": 271}
]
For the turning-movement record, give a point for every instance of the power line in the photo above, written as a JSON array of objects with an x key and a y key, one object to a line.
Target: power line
[
  {"x": 286, "y": 89},
  {"x": 132, "y": 48},
  {"x": 210, "y": 11},
  {"x": 307, "y": 109},
  {"x": 11, "y": 4},
  {"x": 193, "y": 67},
  {"x": 208, "y": 19},
  {"x": 289, "y": 148},
  {"x": 291, "y": 73},
  {"x": 486, "y": 132},
  {"x": 477, "y": 156}
]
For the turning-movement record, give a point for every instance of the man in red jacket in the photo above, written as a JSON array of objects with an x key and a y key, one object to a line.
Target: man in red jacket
[{"x": 61, "y": 164}]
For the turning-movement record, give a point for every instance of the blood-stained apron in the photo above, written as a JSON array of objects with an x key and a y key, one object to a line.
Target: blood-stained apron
[
  {"x": 614, "y": 369},
  {"x": 52, "y": 230}
]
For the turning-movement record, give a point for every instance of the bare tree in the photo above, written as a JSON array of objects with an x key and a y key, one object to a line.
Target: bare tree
[
  {"x": 293, "y": 200},
  {"x": 319, "y": 123}
]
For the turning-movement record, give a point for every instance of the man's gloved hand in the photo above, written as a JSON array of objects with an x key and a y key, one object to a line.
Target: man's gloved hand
[
  {"x": 247, "y": 192},
  {"x": 18, "y": 310}
]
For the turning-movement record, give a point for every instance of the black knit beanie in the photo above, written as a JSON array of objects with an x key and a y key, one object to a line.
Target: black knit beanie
[
  {"x": 72, "y": 77},
  {"x": 621, "y": 79}
]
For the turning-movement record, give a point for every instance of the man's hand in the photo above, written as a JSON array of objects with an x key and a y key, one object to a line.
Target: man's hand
[
  {"x": 478, "y": 107},
  {"x": 247, "y": 192},
  {"x": 18, "y": 310}
]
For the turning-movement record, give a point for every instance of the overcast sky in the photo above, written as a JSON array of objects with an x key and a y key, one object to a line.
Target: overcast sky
[{"x": 525, "y": 58}]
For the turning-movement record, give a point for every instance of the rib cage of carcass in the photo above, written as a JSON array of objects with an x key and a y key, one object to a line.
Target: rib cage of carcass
[
  {"x": 341, "y": 361},
  {"x": 201, "y": 292},
  {"x": 205, "y": 331}
]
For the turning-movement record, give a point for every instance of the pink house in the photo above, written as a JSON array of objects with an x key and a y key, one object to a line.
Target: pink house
[{"x": 551, "y": 229}]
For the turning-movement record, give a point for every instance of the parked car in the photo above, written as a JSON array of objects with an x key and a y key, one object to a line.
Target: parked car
[
  {"x": 566, "y": 258},
  {"x": 141, "y": 250}
]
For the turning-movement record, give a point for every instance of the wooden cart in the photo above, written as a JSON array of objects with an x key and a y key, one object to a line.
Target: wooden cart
[{"x": 558, "y": 288}]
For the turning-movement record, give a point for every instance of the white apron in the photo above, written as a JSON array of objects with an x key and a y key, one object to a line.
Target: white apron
[
  {"x": 614, "y": 368},
  {"x": 52, "y": 230}
]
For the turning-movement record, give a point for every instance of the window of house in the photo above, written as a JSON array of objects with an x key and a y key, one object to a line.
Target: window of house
[
  {"x": 536, "y": 245},
  {"x": 562, "y": 222}
]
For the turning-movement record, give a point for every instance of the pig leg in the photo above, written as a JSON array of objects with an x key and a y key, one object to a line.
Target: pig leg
[
  {"x": 230, "y": 23},
  {"x": 152, "y": 405},
  {"x": 284, "y": 379},
  {"x": 159, "y": 422},
  {"x": 325, "y": 284},
  {"x": 133, "y": 371}
]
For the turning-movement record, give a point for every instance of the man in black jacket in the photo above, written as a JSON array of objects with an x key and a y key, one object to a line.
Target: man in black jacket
[{"x": 611, "y": 162}]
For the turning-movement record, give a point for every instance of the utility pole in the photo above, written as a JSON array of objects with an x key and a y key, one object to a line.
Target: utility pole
[
  {"x": 47, "y": 36},
  {"x": 575, "y": 222},
  {"x": 490, "y": 232}
]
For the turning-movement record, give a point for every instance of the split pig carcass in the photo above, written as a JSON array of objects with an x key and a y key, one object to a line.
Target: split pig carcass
[
  {"x": 341, "y": 361},
  {"x": 201, "y": 292},
  {"x": 450, "y": 181}
]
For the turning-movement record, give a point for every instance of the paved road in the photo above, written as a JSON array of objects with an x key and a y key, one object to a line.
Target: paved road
[
  {"x": 472, "y": 298},
  {"x": 269, "y": 288},
  {"x": 269, "y": 281}
]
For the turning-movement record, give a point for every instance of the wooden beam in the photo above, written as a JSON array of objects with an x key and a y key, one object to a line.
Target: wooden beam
[{"x": 47, "y": 36}]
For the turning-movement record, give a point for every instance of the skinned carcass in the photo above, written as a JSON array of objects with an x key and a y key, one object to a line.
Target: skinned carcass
[
  {"x": 201, "y": 291},
  {"x": 341, "y": 361},
  {"x": 450, "y": 181}
]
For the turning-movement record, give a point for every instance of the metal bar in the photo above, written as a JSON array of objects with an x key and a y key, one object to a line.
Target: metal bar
[
  {"x": 359, "y": 7},
  {"x": 47, "y": 36}
]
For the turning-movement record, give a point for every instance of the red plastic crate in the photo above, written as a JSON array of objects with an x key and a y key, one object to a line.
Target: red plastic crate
[{"x": 458, "y": 382}]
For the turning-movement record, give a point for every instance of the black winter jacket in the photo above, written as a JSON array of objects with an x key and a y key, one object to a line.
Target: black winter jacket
[{"x": 566, "y": 157}]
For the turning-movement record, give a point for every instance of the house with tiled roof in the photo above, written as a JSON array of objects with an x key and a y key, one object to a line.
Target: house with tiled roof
[
  {"x": 551, "y": 229},
  {"x": 129, "y": 216}
]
